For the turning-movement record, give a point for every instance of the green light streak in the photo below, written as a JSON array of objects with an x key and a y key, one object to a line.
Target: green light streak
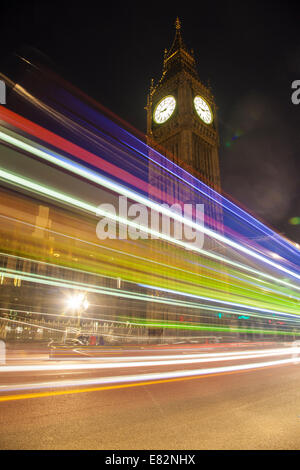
[
  {"x": 37, "y": 188},
  {"x": 109, "y": 291}
]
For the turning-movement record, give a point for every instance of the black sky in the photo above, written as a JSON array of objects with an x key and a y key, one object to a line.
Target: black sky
[{"x": 249, "y": 51}]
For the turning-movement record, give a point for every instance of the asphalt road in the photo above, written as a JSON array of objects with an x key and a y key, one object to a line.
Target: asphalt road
[{"x": 250, "y": 409}]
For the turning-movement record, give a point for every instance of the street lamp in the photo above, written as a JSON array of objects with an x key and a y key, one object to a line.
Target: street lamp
[{"x": 78, "y": 303}]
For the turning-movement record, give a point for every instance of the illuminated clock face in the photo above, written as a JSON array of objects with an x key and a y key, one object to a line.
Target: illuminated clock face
[
  {"x": 203, "y": 110},
  {"x": 164, "y": 109}
]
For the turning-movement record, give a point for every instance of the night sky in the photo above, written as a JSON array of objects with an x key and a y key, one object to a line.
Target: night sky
[{"x": 249, "y": 51}]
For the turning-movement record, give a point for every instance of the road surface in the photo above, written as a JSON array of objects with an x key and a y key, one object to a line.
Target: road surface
[{"x": 256, "y": 408}]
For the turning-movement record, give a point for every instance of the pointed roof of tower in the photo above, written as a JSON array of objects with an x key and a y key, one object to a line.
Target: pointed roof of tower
[
  {"x": 178, "y": 56},
  {"x": 178, "y": 41}
]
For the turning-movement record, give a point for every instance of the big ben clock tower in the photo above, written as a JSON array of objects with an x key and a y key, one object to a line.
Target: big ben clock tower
[
  {"x": 181, "y": 115},
  {"x": 182, "y": 125}
]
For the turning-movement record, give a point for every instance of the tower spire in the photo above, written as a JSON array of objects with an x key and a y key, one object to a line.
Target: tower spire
[
  {"x": 178, "y": 56},
  {"x": 178, "y": 38}
]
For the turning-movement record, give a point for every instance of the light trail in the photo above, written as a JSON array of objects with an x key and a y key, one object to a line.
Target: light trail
[
  {"x": 128, "y": 319},
  {"x": 234, "y": 304},
  {"x": 140, "y": 258},
  {"x": 142, "y": 377},
  {"x": 180, "y": 326},
  {"x": 77, "y": 169},
  {"x": 58, "y": 282},
  {"x": 211, "y": 291},
  {"x": 148, "y": 361},
  {"x": 281, "y": 304},
  {"x": 35, "y": 187},
  {"x": 141, "y": 149}
]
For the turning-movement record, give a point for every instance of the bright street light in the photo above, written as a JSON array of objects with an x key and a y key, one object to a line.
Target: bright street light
[{"x": 79, "y": 303}]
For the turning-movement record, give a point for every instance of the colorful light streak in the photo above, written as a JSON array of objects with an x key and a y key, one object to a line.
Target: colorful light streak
[
  {"x": 121, "y": 190},
  {"x": 161, "y": 300},
  {"x": 149, "y": 361},
  {"x": 182, "y": 326},
  {"x": 138, "y": 377},
  {"x": 152, "y": 261},
  {"x": 126, "y": 294},
  {"x": 245, "y": 294},
  {"x": 144, "y": 150},
  {"x": 61, "y": 197}
]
